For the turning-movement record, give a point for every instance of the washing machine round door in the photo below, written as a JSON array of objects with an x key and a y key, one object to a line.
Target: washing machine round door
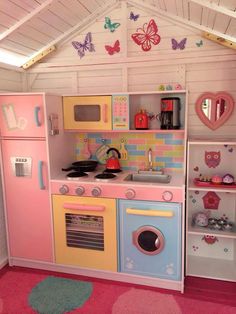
[{"x": 149, "y": 240}]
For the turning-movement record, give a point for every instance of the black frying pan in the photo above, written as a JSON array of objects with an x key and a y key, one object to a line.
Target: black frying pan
[{"x": 83, "y": 166}]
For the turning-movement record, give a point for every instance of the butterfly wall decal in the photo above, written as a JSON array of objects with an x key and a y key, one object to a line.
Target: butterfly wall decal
[
  {"x": 133, "y": 17},
  {"x": 113, "y": 49},
  {"x": 147, "y": 35},
  {"x": 109, "y": 25},
  {"x": 199, "y": 44},
  {"x": 178, "y": 45},
  {"x": 86, "y": 46}
]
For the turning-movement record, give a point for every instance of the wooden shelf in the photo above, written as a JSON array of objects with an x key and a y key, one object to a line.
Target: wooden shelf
[
  {"x": 158, "y": 92},
  {"x": 193, "y": 187},
  {"x": 208, "y": 141},
  {"x": 207, "y": 267},
  {"x": 219, "y": 234},
  {"x": 127, "y": 131}
]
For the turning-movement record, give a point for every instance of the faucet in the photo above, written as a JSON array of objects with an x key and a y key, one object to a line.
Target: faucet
[{"x": 150, "y": 160}]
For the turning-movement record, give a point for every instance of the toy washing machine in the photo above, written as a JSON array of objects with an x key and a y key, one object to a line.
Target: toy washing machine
[{"x": 150, "y": 239}]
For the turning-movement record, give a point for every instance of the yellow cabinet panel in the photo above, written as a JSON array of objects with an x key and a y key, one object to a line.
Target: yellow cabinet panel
[{"x": 85, "y": 232}]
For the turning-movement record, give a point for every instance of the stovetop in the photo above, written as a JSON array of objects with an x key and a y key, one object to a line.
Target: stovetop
[
  {"x": 98, "y": 175},
  {"x": 117, "y": 187}
]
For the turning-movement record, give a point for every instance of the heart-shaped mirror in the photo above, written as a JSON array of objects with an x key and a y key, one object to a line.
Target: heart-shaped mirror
[{"x": 214, "y": 109}]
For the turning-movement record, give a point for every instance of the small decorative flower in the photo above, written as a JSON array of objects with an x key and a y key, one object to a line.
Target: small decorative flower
[{"x": 178, "y": 87}]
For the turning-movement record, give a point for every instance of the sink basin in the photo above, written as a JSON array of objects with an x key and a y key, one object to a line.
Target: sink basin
[
  {"x": 150, "y": 172},
  {"x": 148, "y": 177}
]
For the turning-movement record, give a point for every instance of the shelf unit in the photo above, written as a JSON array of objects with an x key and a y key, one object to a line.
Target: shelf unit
[
  {"x": 211, "y": 253},
  {"x": 149, "y": 101}
]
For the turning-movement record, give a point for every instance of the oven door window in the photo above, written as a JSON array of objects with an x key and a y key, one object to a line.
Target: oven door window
[
  {"x": 87, "y": 113},
  {"x": 85, "y": 231},
  {"x": 149, "y": 240}
]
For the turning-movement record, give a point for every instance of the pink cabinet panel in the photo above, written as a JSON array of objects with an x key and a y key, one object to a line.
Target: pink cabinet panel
[
  {"x": 22, "y": 116},
  {"x": 27, "y": 199}
]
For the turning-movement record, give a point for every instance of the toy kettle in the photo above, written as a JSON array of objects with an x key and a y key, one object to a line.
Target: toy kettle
[
  {"x": 113, "y": 162},
  {"x": 141, "y": 120}
]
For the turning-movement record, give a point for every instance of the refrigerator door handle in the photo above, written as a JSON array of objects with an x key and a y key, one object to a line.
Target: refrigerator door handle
[
  {"x": 40, "y": 175},
  {"x": 36, "y": 116}
]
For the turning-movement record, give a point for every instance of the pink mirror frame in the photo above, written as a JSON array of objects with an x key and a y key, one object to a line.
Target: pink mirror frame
[{"x": 212, "y": 123}]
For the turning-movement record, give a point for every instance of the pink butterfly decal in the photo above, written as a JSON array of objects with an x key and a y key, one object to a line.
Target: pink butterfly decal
[
  {"x": 113, "y": 49},
  {"x": 146, "y": 36},
  {"x": 82, "y": 47},
  {"x": 180, "y": 45}
]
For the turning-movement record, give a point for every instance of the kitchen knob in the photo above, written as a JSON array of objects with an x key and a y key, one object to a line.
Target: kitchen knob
[
  {"x": 79, "y": 190},
  {"x": 130, "y": 194},
  {"x": 96, "y": 191},
  {"x": 167, "y": 196},
  {"x": 64, "y": 189}
]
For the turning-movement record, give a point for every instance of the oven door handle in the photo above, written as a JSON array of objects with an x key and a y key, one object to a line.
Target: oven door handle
[
  {"x": 104, "y": 113},
  {"x": 148, "y": 212},
  {"x": 96, "y": 208}
]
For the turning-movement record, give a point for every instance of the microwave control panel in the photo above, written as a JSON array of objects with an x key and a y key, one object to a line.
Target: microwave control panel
[{"x": 120, "y": 109}]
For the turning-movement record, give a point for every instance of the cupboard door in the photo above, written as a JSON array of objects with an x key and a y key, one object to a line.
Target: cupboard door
[
  {"x": 22, "y": 116},
  {"x": 27, "y": 199}
]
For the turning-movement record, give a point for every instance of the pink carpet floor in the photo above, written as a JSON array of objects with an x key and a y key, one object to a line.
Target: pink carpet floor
[{"x": 109, "y": 297}]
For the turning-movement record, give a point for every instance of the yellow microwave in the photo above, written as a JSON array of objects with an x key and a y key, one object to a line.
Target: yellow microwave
[{"x": 87, "y": 112}]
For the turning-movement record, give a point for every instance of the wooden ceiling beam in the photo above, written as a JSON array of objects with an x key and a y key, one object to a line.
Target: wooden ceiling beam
[
  {"x": 217, "y": 8},
  {"x": 25, "y": 19}
]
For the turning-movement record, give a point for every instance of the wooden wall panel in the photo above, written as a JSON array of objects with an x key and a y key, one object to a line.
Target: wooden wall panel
[
  {"x": 212, "y": 77},
  {"x": 10, "y": 81},
  {"x": 200, "y": 66},
  {"x": 150, "y": 78},
  {"x": 99, "y": 81},
  {"x": 56, "y": 83},
  {"x": 3, "y": 243}
]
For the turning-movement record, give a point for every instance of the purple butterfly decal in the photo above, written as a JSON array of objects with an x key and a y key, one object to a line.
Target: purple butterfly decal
[
  {"x": 86, "y": 46},
  {"x": 180, "y": 45},
  {"x": 133, "y": 17}
]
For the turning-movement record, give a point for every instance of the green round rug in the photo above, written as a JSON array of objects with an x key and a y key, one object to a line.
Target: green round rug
[{"x": 55, "y": 295}]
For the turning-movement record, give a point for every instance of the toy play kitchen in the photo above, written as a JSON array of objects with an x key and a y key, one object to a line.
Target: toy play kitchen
[{"x": 103, "y": 222}]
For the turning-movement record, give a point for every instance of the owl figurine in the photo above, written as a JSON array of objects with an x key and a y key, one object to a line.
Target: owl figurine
[{"x": 212, "y": 159}]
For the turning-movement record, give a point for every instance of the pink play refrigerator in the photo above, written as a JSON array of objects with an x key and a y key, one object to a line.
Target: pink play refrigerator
[{"x": 25, "y": 176}]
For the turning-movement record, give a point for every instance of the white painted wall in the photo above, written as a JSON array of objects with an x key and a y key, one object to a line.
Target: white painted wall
[
  {"x": 208, "y": 67},
  {"x": 10, "y": 80},
  {"x": 3, "y": 242}
]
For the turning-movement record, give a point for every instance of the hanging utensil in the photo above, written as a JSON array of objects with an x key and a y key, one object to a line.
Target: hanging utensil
[
  {"x": 101, "y": 152},
  {"x": 123, "y": 151},
  {"x": 86, "y": 152}
]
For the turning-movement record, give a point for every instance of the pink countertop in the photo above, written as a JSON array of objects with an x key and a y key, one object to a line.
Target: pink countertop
[{"x": 118, "y": 188}]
